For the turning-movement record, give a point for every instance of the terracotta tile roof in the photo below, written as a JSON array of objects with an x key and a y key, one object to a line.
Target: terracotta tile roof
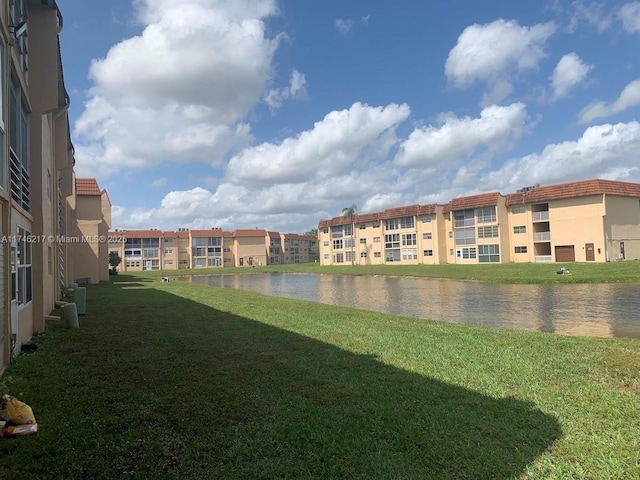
[
  {"x": 140, "y": 233},
  {"x": 214, "y": 232},
  {"x": 583, "y": 188},
  {"x": 273, "y": 234},
  {"x": 87, "y": 186},
  {"x": 399, "y": 212},
  {"x": 389, "y": 213},
  {"x": 472, "y": 201},
  {"x": 296, "y": 236},
  {"x": 249, "y": 233}
]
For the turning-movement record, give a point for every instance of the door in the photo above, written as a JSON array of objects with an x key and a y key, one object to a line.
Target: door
[
  {"x": 14, "y": 297},
  {"x": 621, "y": 250},
  {"x": 588, "y": 248},
  {"x": 565, "y": 253}
]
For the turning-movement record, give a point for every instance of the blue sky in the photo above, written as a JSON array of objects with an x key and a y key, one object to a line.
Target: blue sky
[{"x": 276, "y": 114}]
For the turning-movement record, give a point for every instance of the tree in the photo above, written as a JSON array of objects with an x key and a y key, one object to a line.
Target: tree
[
  {"x": 312, "y": 233},
  {"x": 114, "y": 261},
  {"x": 349, "y": 212}
]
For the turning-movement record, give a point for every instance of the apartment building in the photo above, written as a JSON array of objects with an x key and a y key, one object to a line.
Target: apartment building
[
  {"x": 93, "y": 220},
  {"x": 586, "y": 221},
  {"x": 37, "y": 187},
  {"x": 215, "y": 248}
]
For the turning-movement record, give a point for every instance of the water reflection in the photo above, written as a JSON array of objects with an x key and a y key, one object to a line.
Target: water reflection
[{"x": 602, "y": 310}]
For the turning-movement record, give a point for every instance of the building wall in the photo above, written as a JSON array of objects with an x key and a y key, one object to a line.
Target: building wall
[{"x": 622, "y": 226}]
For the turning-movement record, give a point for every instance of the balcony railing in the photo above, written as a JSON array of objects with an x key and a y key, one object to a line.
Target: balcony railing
[
  {"x": 542, "y": 236},
  {"x": 540, "y": 216},
  {"x": 543, "y": 258}
]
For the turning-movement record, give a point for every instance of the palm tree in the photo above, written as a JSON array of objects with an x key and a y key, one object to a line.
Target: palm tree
[{"x": 349, "y": 212}]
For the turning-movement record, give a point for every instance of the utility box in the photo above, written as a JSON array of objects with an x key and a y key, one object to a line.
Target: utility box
[{"x": 80, "y": 294}]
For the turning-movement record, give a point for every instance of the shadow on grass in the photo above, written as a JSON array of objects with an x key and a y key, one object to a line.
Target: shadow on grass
[{"x": 154, "y": 385}]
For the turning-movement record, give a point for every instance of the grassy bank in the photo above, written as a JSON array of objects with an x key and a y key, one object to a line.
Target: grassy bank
[
  {"x": 176, "y": 380},
  {"x": 613, "y": 272}
]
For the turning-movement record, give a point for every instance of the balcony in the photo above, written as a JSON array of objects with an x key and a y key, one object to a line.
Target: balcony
[
  {"x": 540, "y": 216},
  {"x": 541, "y": 236},
  {"x": 543, "y": 259}
]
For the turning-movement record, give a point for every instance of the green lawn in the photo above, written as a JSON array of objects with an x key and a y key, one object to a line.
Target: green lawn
[
  {"x": 183, "y": 381},
  {"x": 612, "y": 272}
]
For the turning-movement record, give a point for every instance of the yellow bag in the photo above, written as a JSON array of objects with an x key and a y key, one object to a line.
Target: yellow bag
[{"x": 15, "y": 412}]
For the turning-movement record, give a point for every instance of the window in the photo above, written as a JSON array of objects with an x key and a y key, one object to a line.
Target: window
[
  {"x": 21, "y": 269},
  {"x": 520, "y": 229},
  {"x": 376, "y": 224},
  {"x": 488, "y": 253},
  {"x": 362, "y": 226},
  {"x": 363, "y": 240},
  {"x": 363, "y": 254},
  {"x": 518, "y": 209},
  {"x": 348, "y": 243},
  {"x": 463, "y": 218},
  {"x": 338, "y": 245},
  {"x": 168, "y": 240},
  {"x": 348, "y": 229},
  {"x": 392, "y": 240},
  {"x": 17, "y": 15},
  {"x": 325, "y": 230},
  {"x": 326, "y": 256},
  {"x": 521, "y": 249},
  {"x": 427, "y": 236},
  {"x": 469, "y": 252},
  {"x": 376, "y": 239},
  {"x": 168, "y": 251},
  {"x": 406, "y": 222},
  {"x": 426, "y": 219},
  {"x": 465, "y": 236},
  {"x": 150, "y": 252},
  {"x": 377, "y": 254},
  {"x": 427, "y": 253},
  {"x": 409, "y": 254},
  {"x": 199, "y": 251},
  {"x": 19, "y": 147},
  {"x": 338, "y": 258},
  {"x": 488, "y": 232},
  {"x": 408, "y": 239},
  {"x": 150, "y": 242},
  {"x": 392, "y": 255},
  {"x": 168, "y": 262},
  {"x": 487, "y": 215},
  {"x": 336, "y": 232},
  {"x": 325, "y": 243},
  {"x": 391, "y": 224},
  {"x": 350, "y": 256}
]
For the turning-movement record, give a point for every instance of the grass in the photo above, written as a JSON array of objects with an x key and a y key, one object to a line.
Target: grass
[
  {"x": 183, "y": 381},
  {"x": 516, "y": 273}
]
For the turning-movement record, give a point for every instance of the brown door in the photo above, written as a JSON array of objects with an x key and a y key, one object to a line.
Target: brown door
[
  {"x": 588, "y": 248},
  {"x": 565, "y": 253}
]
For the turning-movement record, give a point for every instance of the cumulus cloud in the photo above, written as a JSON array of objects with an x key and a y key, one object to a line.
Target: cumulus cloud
[
  {"x": 179, "y": 90},
  {"x": 297, "y": 88},
  {"x": 602, "y": 150},
  {"x": 629, "y": 97},
  {"x": 492, "y": 52},
  {"x": 344, "y": 25},
  {"x": 569, "y": 72},
  {"x": 455, "y": 138},
  {"x": 629, "y": 15},
  {"x": 332, "y": 147}
]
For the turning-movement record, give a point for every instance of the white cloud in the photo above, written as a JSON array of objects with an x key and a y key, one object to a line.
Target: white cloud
[
  {"x": 629, "y": 97},
  {"x": 456, "y": 138},
  {"x": 492, "y": 52},
  {"x": 629, "y": 15},
  {"x": 159, "y": 182},
  {"x": 601, "y": 151},
  {"x": 569, "y": 72},
  {"x": 344, "y": 25},
  {"x": 593, "y": 13},
  {"x": 178, "y": 91},
  {"x": 297, "y": 88},
  {"x": 332, "y": 147}
]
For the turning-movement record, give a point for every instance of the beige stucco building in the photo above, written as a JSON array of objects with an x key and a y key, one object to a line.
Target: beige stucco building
[
  {"x": 215, "y": 248},
  {"x": 586, "y": 221},
  {"x": 93, "y": 220},
  {"x": 37, "y": 185}
]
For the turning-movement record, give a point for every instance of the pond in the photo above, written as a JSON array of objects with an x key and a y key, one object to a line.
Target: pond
[{"x": 602, "y": 310}]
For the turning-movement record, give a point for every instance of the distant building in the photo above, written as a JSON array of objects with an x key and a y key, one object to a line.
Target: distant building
[
  {"x": 215, "y": 248},
  {"x": 586, "y": 221}
]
